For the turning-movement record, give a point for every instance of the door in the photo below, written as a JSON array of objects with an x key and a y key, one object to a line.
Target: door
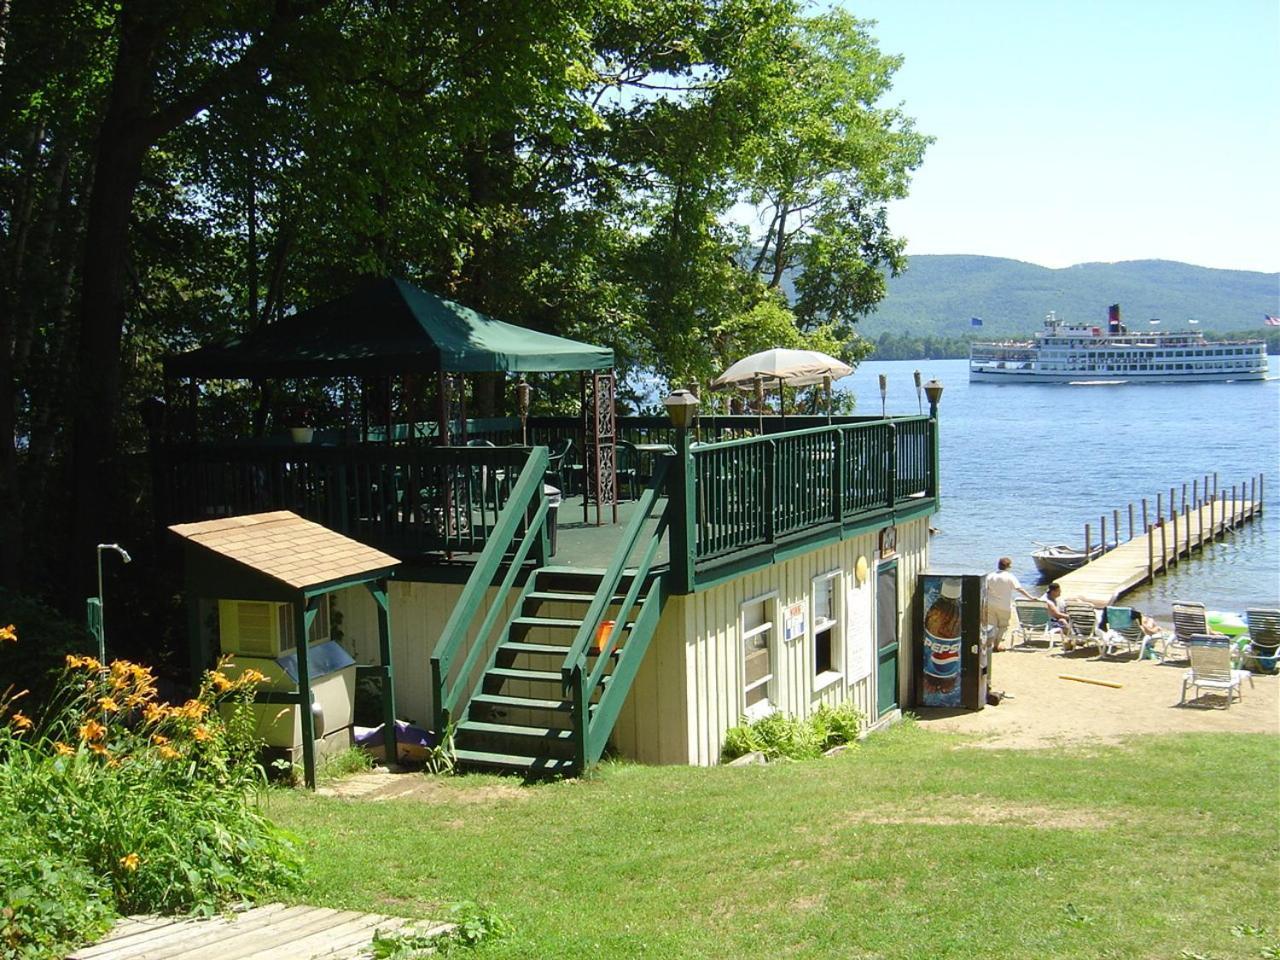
[{"x": 886, "y": 637}]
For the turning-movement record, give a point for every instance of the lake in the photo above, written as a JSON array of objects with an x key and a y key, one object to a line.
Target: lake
[{"x": 1025, "y": 463}]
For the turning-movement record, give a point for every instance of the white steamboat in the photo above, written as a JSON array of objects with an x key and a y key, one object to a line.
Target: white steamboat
[{"x": 1068, "y": 352}]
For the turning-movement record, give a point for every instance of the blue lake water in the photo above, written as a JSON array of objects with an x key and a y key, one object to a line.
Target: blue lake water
[{"x": 1026, "y": 463}]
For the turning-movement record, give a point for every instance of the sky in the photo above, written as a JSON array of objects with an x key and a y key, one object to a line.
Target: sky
[{"x": 1070, "y": 132}]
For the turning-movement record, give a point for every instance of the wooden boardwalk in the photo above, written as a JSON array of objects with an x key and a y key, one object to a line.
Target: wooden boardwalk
[
  {"x": 1120, "y": 569},
  {"x": 272, "y": 932}
]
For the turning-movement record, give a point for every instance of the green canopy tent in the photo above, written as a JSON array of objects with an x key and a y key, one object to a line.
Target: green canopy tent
[{"x": 389, "y": 328}]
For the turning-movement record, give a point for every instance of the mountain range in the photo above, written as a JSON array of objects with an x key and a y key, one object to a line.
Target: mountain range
[{"x": 938, "y": 294}]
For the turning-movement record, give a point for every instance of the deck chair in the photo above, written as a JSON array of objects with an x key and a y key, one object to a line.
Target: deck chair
[
  {"x": 1084, "y": 625},
  {"x": 1263, "y": 650},
  {"x": 555, "y": 463},
  {"x": 1033, "y": 624},
  {"x": 1189, "y": 620},
  {"x": 1122, "y": 629},
  {"x": 1211, "y": 668}
]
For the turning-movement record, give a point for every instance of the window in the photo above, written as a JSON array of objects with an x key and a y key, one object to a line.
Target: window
[
  {"x": 757, "y": 654},
  {"x": 826, "y": 594}
]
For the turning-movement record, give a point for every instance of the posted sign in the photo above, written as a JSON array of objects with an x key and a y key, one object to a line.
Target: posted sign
[{"x": 793, "y": 625}]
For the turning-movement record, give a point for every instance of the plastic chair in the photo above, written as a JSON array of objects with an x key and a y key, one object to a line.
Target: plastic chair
[
  {"x": 1033, "y": 624},
  {"x": 1211, "y": 669},
  {"x": 555, "y": 462},
  {"x": 1263, "y": 650},
  {"x": 1084, "y": 625},
  {"x": 1122, "y": 628},
  {"x": 1189, "y": 620}
]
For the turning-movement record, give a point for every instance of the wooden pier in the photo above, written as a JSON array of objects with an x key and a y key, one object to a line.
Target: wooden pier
[{"x": 1162, "y": 541}]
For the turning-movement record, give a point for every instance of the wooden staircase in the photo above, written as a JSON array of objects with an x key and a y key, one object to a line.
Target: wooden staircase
[{"x": 520, "y": 718}]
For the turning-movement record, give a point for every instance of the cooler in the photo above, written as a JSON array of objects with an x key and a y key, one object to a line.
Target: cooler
[{"x": 951, "y": 661}]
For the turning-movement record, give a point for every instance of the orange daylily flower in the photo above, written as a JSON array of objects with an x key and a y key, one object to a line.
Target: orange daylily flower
[
  {"x": 20, "y": 721},
  {"x": 9, "y": 634},
  {"x": 92, "y": 730},
  {"x": 130, "y": 861},
  {"x": 168, "y": 753},
  {"x": 63, "y": 749},
  {"x": 108, "y": 705},
  {"x": 201, "y": 733},
  {"x": 99, "y": 749}
]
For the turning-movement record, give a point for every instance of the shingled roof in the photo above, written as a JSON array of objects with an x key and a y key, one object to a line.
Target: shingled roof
[{"x": 283, "y": 546}]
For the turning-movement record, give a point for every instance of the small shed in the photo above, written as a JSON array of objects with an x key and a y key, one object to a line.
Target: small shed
[{"x": 270, "y": 575}]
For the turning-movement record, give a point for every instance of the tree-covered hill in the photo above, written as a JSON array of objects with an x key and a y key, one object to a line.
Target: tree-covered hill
[{"x": 937, "y": 295}]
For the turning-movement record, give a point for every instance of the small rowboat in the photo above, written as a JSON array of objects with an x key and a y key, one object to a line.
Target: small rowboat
[{"x": 1054, "y": 561}]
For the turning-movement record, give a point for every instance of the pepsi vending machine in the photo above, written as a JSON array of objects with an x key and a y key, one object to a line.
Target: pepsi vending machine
[{"x": 952, "y": 660}]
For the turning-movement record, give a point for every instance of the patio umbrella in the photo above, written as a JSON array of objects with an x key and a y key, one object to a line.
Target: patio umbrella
[{"x": 796, "y": 368}]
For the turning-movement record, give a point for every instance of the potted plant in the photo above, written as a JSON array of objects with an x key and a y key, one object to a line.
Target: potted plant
[{"x": 299, "y": 418}]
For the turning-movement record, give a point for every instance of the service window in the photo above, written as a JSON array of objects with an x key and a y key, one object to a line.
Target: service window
[
  {"x": 758, "y": 618},
  {"x": 827, "y": 638}
]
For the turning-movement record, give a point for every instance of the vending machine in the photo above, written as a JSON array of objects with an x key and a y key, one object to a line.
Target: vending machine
[{"x": 951, "y": 660}]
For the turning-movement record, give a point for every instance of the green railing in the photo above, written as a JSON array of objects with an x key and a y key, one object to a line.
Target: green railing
[
  {"x": 403, "y": 499},
  {"x": 625, "y": 644},
  {"x": 520, "y": 535},
  {"x": 760, "y": 490}
]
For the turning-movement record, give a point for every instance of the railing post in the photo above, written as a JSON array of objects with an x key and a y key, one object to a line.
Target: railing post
[
  {"x": 893, "y": 465},
  {"x": 683, "y": 506},
  {"x": 935, "y": 466},
  {"x": 838, "y": 479},
  {"x": 770, "y": 505},
  {"x": 581, "y": 718}
]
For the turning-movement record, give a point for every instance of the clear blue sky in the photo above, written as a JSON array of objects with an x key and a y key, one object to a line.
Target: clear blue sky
[{"x": 1080, "y": 130}]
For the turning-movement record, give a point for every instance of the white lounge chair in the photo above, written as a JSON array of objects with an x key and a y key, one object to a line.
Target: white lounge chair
[
  {"x": 1084, "y": 625},
  {"x": 1189, "y": 620},
  {"x": 1211, "y": 669},
  {"x": 1033, "y": 624}
]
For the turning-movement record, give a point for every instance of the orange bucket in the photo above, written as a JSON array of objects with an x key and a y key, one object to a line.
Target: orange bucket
[{"x": 602, "y": 634}]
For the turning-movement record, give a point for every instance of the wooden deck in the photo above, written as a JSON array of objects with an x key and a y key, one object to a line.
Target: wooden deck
[
  {"x": 1119, "y": 570},
  {"x": 272, "y": 932}
]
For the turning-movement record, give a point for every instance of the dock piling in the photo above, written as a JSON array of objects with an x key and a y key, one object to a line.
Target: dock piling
[{"x": 1131, "y": 520}]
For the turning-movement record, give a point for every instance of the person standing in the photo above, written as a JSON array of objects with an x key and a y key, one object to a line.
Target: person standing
[{"x": 998, "y": 610}]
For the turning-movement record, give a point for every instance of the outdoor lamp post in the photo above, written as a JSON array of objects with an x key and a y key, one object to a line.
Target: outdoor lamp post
[
  {"x": 682, "y": 408},
  {"x": 102, "y": 629},
  {"x": 933, "y": 390}
]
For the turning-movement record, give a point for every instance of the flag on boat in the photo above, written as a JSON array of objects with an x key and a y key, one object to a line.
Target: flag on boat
[
  {"x": 1271, "y": 321},
  {"x": 977, "y": 321}
]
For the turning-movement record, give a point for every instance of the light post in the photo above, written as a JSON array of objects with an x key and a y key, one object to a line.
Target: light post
[
  {"x": 682, "y": 409},
  {"x": 102, "y": 627},
  {"x": 933, "y": 390}
]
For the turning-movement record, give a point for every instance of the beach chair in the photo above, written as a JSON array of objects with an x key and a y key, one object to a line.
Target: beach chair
[
  {"x": 1033, "y": 624},
  {"x": 1189, "y": 620},
  {"x": 1211, "y": 669},
  {"x": 1122, "y": 629},
  {"x": 1263, "y": 650},
  {"x": 1084, "y": 625}
]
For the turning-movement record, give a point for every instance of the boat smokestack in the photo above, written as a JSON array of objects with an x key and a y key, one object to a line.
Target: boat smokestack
[{"x": 1113, "y": 319}]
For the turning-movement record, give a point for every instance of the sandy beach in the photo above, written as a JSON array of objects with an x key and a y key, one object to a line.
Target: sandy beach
[{"x": 1046, "y": 710}]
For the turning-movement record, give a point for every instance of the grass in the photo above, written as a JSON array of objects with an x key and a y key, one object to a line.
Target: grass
[{"x": 913, "y": 846}]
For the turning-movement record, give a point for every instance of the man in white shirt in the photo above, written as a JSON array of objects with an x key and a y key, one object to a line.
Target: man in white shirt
[{"x": 999, "y": 606}]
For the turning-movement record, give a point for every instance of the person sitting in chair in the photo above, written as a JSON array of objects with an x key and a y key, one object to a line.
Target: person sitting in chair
[{"x": 1057, "y": 613}]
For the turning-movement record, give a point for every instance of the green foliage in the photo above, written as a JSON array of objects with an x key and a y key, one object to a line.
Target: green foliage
[
  {"x": 780, "y": 737},
  {"x": 122, "y": 804},
  {"x": 47, "y": 637},
  {"x": 344, "y": 764},
  {"x": 442, "y": 757},
  {"x": 473, "y": 925}
]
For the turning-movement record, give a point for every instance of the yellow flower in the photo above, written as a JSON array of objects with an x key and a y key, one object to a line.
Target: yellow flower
[
  {"x": 108, "y": 705},
  {"x": 159, "y": 739},
  {"x": 63, "y": 749},
  {"x": 9, "y": 634},
  {"x": 155, "y": 712},
  {"x": 252, "y": 676},
  {"x": 99, "y": 749},
  {"x": 92, "y": 730},
  {"x": 20, "y": 721},
  {"x": 82, "y": 663},
  {"x": 130, "y": 861},
  {"x": 168, "y": 753},
  {"x": 201, "y": 733},
  {"x": 193, "y": 710}
]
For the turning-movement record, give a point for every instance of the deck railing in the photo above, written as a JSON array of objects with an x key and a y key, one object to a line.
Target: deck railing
[
  {"x": 761, "y": 490},
  {"x": 404, "y": 499}
]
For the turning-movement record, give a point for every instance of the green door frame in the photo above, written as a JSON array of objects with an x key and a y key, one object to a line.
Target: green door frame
[{"x": 887, "y": 654}]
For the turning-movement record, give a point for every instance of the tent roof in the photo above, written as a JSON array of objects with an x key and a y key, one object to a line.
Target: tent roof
[{"x": 388, "y": 327}]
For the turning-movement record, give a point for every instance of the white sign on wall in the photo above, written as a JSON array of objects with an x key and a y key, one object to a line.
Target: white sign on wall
[
  {"x": 861, "y": 645},
  {"x": 793, "y": 625}
]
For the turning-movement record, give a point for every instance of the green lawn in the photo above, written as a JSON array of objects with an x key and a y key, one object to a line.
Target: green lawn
[{"x": 913, "y": 845}]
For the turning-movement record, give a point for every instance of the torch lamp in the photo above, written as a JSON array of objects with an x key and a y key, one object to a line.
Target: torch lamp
[
  {"x": 933, "y": 390},
  {"x": 919, "y": 401},
  {"x": 522, "y": 405},
  {"x": 884, "y": 392}
]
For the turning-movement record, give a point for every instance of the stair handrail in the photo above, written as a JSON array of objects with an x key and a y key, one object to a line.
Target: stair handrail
[
  {"x": 577, "y": 681},
  {"x": 527, "y": 509}
]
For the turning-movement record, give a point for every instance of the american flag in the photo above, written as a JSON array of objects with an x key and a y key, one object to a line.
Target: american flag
[
  {"x": 975, "y": 321},
  {"x": 1271, "y": 321}
]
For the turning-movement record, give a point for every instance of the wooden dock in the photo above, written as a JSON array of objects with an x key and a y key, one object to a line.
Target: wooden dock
[
  {"x": 271, "y": 932},
  {"x": 1170, "y": 540}
]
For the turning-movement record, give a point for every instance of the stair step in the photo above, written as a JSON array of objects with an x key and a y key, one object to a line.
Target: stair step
[
  {"x": 556, "y": 622},
  {"x": 521, "y": 703},
  {"x": 514, "y": 730},
  {"x": 511, "y": 761},
  {"x": 547, "y": 648},
  {"x": 524, "y": 703},
  {"x": 515, "y": 673},
  {"x": 555, "y": 596}
]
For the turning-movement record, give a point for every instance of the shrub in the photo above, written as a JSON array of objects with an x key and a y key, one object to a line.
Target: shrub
[
  {"x": 781, "y": 737},
  {"x": 124, "y": 804}
]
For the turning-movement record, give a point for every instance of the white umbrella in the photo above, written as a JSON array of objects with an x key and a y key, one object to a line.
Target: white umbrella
[{"x": 796, "y": 368}]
